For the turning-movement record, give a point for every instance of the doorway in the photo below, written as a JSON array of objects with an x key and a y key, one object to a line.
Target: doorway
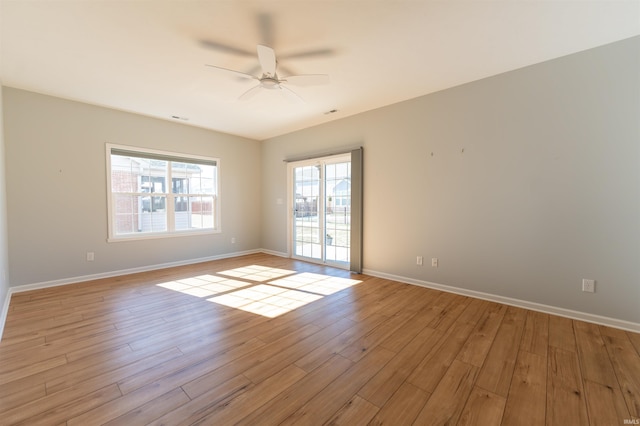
[{"x": 320, "y": 197}]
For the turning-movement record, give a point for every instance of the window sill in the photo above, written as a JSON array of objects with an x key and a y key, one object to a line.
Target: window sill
[{"x": 151, "y": 236}]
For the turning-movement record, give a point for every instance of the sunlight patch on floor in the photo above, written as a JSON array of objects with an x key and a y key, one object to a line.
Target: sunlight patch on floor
[
  {"x": 316, "y": 283},
  {"x": 266, "y": 300},
  {"x": 287, "y": 292},
  {"x": 204, "y": 285},
  {"x": 257, "y": 273}
]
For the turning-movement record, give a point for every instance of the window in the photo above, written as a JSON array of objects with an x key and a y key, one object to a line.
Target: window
[{"x": 155, "y": 193}]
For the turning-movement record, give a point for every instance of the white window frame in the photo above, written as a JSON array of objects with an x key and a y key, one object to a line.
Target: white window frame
[{"x": 170, "y": 232}]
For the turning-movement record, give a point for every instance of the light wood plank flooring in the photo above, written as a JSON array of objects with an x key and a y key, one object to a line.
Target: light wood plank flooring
[{"x": 262, "y": 340}]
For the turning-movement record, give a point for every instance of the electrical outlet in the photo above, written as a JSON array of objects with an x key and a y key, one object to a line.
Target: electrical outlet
[
  {"x": 434, "y": 262},
  {"x": 90, "y": 256},
  {"x": 589, "y": 285},
  {"x": 233, "y": 240},
  {"x": 419, "y": 260}
]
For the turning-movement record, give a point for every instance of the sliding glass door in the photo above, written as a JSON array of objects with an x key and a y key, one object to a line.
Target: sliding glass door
[{"x": 320, "y": 196}]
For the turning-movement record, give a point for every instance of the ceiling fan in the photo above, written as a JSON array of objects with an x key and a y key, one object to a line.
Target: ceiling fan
[
  {"x": 271, "y": 81},
  {"x": 267, "y": 34}
]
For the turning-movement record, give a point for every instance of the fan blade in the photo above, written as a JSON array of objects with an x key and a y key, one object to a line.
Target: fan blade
[
  {"x": 286, "y": 70},
  {"x": 307, "y": 79},
  {"x": 265, "y": 25},
  {"x": 291, "y": 95},
  {"x": 237, "y": 73},
  {"x": 210, "y": 44},
  {"x": 250, "y": 93},
  {"x": 267, "y": 58},
  {"x": 309, "y": 54}
]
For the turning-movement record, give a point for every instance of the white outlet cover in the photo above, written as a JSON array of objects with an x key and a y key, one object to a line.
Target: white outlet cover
[{"x": 588, "y": 285}]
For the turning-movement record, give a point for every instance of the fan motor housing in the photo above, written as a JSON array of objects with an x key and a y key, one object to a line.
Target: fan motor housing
[{"x": 269, "y": 83}]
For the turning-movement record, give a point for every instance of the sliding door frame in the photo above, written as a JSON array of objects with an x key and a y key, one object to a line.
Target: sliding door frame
[{"x": 356, "y": 215}]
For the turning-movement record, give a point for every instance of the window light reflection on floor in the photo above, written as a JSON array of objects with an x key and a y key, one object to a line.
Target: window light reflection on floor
[
  {"x": 266, "y": 300},
  {"x": 257, "y": 273},
  {"x": 204, "y": 285},
  {"x": 284, "y": 294},
  {"x": 316, "y": 283}
]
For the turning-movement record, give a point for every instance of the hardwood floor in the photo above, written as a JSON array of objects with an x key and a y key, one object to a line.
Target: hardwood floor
[{"x": 213, "y": 344}]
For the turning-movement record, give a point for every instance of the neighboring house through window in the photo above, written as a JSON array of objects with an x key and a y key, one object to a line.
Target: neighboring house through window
[{"x": 156, "y": 193}]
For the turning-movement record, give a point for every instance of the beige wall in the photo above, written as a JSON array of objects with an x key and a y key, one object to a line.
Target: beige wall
[
  {"x": 56, "y": 188},
  {"x": 521, "y": 184},
  {"x": 4, "y": 242}
]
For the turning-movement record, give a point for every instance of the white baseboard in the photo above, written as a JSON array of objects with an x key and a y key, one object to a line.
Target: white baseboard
[
  {"x": 553, "y": 310},
  {"x": 275, "y": 253},
  {"x": 4, "y": 312},
  {"x": 82, "y": 278}
]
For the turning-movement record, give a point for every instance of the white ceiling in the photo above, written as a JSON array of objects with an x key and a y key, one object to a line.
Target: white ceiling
[{"x": 148, "y": 56}]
